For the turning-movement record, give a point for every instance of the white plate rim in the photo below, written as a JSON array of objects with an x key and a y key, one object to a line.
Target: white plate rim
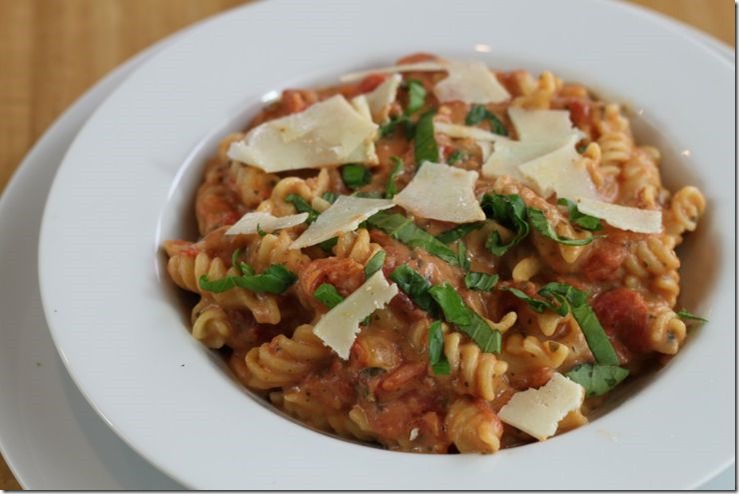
[{"x": 45, "y": 291}]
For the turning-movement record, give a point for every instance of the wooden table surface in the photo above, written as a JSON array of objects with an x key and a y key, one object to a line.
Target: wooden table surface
[{"x": 52, "y": 51}]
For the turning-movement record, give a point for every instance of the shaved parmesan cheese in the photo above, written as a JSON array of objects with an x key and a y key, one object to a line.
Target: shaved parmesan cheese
[
  {"x": 410, "y": 67},
  {"x": 382, "y": 97},
  {"x": 486, "y": 149},
  {"x": 361, "y": 104},
  {"x": 508, "y": 155},
  {"x": 330, "y": 132},
  {"x": 470, "y": 82},
  {"x": 542, "y": 125},
  {"x": 338, "y": 328},
  {"x": 464, "y": 132},
  {"x": 442, "y": 192},
  {"x": 344, "y": 215},
  {"x": 266, "y": 222},
  {"x": 538, "y": 411},
  {"x": 623, "y": 217},
  {"x": 560, "y": 172}
]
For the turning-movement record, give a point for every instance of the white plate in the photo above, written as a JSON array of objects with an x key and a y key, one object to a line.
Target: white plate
[
  {"x": 49, "y": 435},
  {"x": 119, "y": 330}
]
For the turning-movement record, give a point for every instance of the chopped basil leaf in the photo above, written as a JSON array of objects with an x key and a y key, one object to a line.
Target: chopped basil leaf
[
  {"x": 425, "y": 145},
  {"x": 217, "y": 286},
  {"x": 597, "y": 379},
  {"x": 302, "y": 207},
  {"x": 687, "y": 316},
  {"x": 415, "y": 286},
  {"x": 569, "y": 299},
  {"x": 478, "y": 113},
  {"x": 328, "y": 245},
  {"x": 372, "y": 194},
  {"x": 326, "y": 293},
  {"x": 261, "y": 232},
  {"x": 581, "y": 148},
  {"x": 462, "y": 259},
  {"x": 355, "y": 175},
  {"x": 235, "y": 258},
  {"x": 536, "y": 304},
  {"x": 454, "y": 234},
  {"x": 374, "y": 264},
  {"x": 480, "y": 281},
  {"x": 392, "y": 188},
  {"x": 275, "y": 279},
  {"x": 569, "y": 293},
  {"x": 330, "y": 196},
  {"x": 594, "y": 334},
  {"x": 416, "y": 96},
  {"x": 437, "y": 359},
  {"x": 582, "y": 220},
  {"x": 511, "y": 212},
  {"x": 406, "y": 231},
  {"x": 442, "y": 367},
  {"x": 389, "y": 127},
  {"x": 454, "y": 309},
  {"x": 467, "y": 320},
  {"x": 540, "y": 223},
  {"x": 456, "y": 156},
  {"x": 246, "y": 269}
]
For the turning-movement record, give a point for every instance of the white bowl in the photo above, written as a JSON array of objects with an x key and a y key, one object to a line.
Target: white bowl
[{"x": 128, "y": 181}]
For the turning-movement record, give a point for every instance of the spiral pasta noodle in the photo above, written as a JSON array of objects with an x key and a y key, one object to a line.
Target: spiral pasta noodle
[
  {"x": 477, "y": 371},
  {"x": 686, "y": 208},
  {"x": 473, "y": 427},
  {"x": 186, "y": 270},
  {"x": 667, "y": 331},
  {"x": 285, "y": 361},
  {"x": 550, "y": 354},
  {"x": 210, "y": 324}
]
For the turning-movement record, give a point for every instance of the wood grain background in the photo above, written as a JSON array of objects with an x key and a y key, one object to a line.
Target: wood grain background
[{"x": 51, "y": 51}]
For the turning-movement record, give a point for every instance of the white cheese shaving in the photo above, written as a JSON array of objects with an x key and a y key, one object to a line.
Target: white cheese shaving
[
  {"x": 338, "y": 328},
  {"x": 361, "y": 104},
  {"x": 623, "y": 217},
  {"x": 382, "y": 97},
  {"x": 542, "y": 125},
  {"x": 344, "y": 215},
  {"x": 266, "y": 222},
  {"x": 538, "y": 411},
  {"x": 486, "y": 149},
  {"x": 508, "y": 155},
  {"x": 330, "y": 132},
  {"x": 442, "y": 192},
  {"x": 457, "y": 131},
  {"x": 560, "y": 172},
  {"x": 409, "y": 67},
  {"x": 470, "y": 82}
]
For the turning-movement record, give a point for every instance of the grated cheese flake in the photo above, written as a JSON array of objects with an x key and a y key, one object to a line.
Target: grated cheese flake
[
  {"x": 623, "y": 217},
  {"x": 338, "y": 328},
  {"x": 538, "y": 411},
  {"x": 344, "y": 215},
  {"x": 470, "y": 82},
  {"x": 266, "y": 222},
  {"x": 442, "y": 192},
  {"x": 331, "y": 132}
]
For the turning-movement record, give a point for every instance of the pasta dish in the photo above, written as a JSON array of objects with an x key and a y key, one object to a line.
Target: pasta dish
[{"x": 437, "y": 257}]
